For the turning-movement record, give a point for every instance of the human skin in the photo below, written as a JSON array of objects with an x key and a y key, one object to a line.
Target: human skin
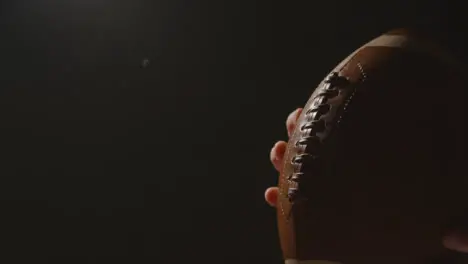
[{"x": 454, "y": 241}]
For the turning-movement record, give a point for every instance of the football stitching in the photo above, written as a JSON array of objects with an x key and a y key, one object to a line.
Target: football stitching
[
  {"x": 314, "y": 125},
  {"x": 315, "y": 130},
  {"x": 350, "y": 98}
]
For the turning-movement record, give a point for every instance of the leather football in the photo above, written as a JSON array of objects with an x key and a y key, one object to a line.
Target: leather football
[{"x": 374, "y": 172}]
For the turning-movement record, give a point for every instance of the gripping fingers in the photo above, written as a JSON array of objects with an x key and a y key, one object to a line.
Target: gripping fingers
[
  {"x": 271, "y": 196},
  {"x": 277, "y": 154},
  {"x": 292, "y": 120}
]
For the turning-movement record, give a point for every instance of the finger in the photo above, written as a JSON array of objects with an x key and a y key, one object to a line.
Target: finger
[
  {"x": 271, "y": 196},
  {"x": 456, "y": 241},
  {"x": 277, "y": 154},
  {"x": 291, "y": 121}
]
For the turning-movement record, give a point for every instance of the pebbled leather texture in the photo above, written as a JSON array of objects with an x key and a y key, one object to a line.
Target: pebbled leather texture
[{"x": 366, "y": 134}]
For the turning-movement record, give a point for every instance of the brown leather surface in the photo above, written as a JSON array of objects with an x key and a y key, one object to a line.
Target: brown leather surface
[
  {"x": 373, "y": 191},
  {"x": 399, "y": 31},
  {"x": 434, "y": 42}
]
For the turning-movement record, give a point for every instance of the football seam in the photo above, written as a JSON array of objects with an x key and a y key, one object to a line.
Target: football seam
[{"x": 319, "y": 119}]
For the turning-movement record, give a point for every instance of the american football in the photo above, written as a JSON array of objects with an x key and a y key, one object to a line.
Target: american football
[{"x": 371, "y": 172}]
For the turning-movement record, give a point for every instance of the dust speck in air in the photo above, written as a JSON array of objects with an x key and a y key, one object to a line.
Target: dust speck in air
[{"x": 145, "y": 63}]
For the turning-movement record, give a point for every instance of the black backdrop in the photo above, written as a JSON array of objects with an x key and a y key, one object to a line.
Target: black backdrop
[{"x": 139, "y": 131}]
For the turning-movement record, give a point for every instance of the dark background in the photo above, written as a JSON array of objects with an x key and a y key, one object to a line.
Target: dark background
[{"x": 104, "y": 160}]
